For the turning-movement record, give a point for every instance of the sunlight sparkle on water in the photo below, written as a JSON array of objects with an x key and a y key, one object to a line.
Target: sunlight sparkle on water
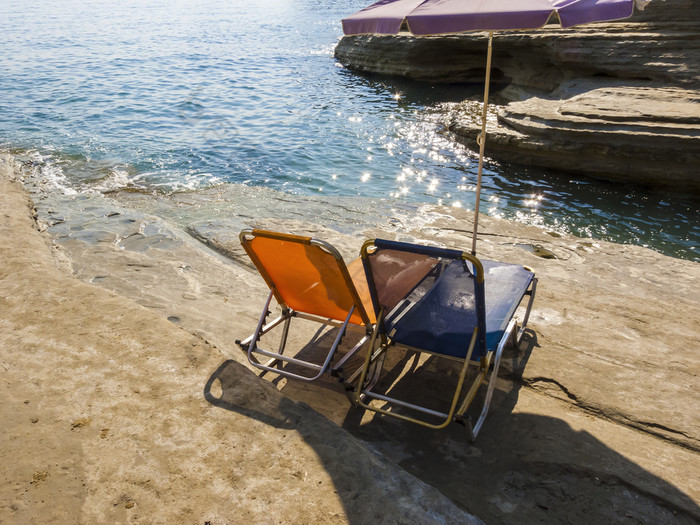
[
  {"x": 437, "y": 157},
  {"x": 307, "y": 121},
  {"x": 534, "y": 200}
]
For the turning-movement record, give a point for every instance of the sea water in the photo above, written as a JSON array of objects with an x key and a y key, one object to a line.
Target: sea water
[{"x": 164, "y": 97}]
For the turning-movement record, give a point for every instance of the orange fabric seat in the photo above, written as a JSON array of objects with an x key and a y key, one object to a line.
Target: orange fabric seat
[{"x": 309, "y": 280}]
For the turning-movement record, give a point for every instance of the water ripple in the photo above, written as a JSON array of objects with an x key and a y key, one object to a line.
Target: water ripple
[{"x": 171, "y": 96}]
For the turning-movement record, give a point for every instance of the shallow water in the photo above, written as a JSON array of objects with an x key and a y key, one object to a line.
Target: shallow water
[{"x": 170, "y": 96}]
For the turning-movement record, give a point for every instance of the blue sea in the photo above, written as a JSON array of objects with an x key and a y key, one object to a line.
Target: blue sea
[{"x": 165, "y": 97}]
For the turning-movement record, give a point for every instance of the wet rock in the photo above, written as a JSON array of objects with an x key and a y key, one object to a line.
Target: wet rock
[
  {"x": 599, "y": 390},
  {"x": 621, "y": 131},
  {"x": 73, "y": 344}
]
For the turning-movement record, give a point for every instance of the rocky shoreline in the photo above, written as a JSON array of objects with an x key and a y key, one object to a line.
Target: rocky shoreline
[
  {"x": 118, "y": 330},
  {"x": 112, "y": 413},
  {"x": 617, "y": 101}
]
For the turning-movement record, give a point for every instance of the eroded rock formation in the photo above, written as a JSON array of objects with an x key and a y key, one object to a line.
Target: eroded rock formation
[{"x": 615, "y": 100}]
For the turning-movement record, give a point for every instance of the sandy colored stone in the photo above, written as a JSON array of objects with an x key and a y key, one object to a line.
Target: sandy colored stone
[
  {"x": 594, "y": 417},
  {"x": 621, "y": 131},
  {"x": 137, "y": 423}
]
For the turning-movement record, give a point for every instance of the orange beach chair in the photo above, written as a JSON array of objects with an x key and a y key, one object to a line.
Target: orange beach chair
[{"x": 309, "y": 280}]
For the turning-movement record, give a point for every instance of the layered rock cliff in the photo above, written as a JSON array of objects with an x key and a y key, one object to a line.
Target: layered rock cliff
[{"x": 614, "y": 100}]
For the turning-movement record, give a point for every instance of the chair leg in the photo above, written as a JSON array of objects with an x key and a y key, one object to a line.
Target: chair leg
[
  {"x": 362, "y": 371},
  {"x": 338, "y": 369},
  {"x": 364, "y": 395},
  {"x": 473, "y": 432},
  {"x": 375, "y": 370},
  {"x": 260, "y": 329},
  {"x": 523, "y": 325},
  {"x": 285, "y": 333},
  {"x": 283, "y": 343},
  {"x": 278, "y": 357},
  {"x": 370, "y": 379}
]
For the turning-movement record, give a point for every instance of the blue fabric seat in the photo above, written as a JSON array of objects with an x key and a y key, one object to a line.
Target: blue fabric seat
[{"x": 443, "y": 320}]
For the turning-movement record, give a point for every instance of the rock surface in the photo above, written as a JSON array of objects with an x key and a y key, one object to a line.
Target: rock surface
[
  {"x": 625, "y": 73},
  {"x": 594, "y": 418},
  {"x": 622, "y": 131},
  {"x": 112, "y": 414}
]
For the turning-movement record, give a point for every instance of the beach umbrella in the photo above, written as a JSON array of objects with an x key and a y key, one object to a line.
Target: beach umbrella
[{"x": 435, "y": 17}]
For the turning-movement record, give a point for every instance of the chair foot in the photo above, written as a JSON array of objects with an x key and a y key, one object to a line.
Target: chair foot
[{"x": 467, "y": 422}]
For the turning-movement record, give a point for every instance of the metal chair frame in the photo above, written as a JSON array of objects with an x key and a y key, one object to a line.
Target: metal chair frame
[
  {"x": 490, "y": 361},
  {"x": 250, "y": 344}
]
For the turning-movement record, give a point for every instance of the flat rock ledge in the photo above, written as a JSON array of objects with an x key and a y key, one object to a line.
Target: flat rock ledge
[
  {"x": 124, "y": 397},
  {"x": 617, "y": 101},
  {"x": 112, "y": 414},
  {"x": 633, "y": 133}
]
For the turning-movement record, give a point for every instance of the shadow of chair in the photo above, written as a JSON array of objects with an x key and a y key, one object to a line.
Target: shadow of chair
[{"x": 527, "y": 468}]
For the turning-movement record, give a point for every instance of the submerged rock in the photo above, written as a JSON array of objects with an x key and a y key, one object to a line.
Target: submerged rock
[{"x": 614, "y": 100}]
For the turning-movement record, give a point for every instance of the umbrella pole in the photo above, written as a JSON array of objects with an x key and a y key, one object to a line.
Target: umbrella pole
[{"x": 481, "y": 140}]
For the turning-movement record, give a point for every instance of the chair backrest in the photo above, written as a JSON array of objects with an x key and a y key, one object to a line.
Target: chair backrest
[
  {"x": 305, "y": 274},
  {"x": 432, "y": 298}
]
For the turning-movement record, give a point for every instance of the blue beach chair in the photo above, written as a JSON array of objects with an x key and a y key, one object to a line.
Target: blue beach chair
[{"x": 443, "y": 303}]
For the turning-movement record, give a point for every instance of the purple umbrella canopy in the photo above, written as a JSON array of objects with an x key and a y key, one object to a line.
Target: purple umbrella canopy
[{"x": 435, "y": 17}]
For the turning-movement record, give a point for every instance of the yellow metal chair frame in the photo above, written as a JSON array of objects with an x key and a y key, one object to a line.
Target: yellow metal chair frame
[{"x": 487, "y": 360}]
